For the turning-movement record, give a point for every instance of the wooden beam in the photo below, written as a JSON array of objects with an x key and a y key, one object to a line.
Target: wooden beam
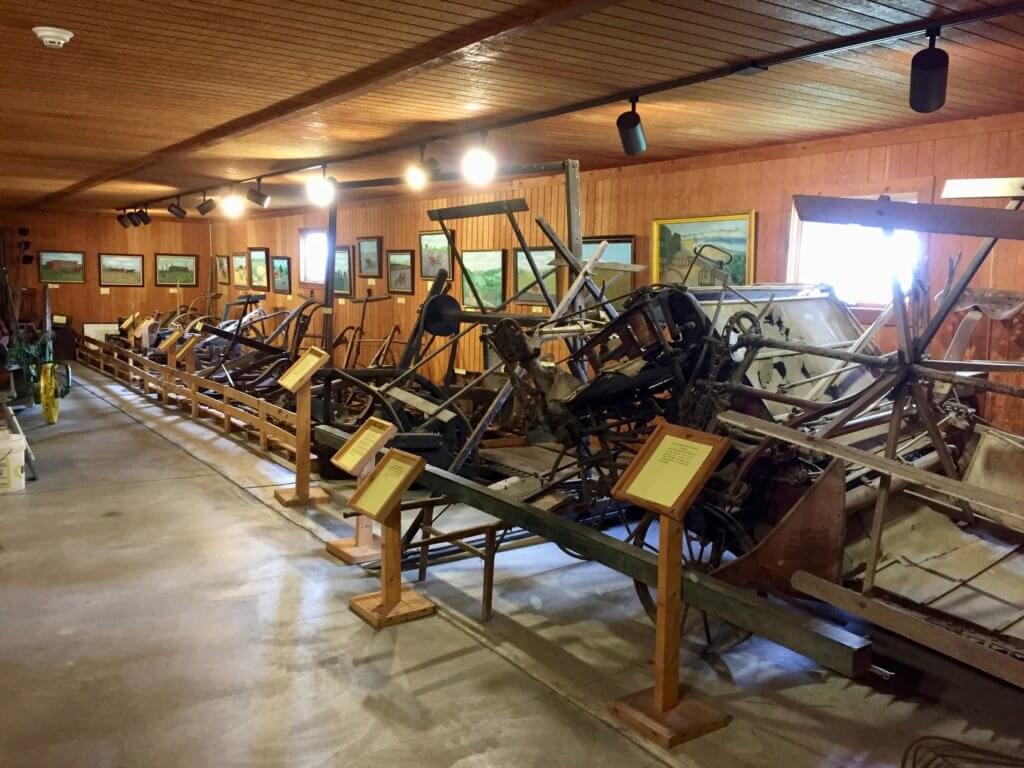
[
  {"x": 920, "y": 217},
  {"x": 453, "y": 47},
  {"x": 914, "y": 627},
  {"x": 998, "y": 508}
]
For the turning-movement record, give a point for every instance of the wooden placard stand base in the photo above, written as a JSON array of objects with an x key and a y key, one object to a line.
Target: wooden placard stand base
[
  {"x": 364, "y": 547},
  {"x": 660, "y": 713},
  {"x": 393, "y": 604},
  {"x": 302, "y": 494}
]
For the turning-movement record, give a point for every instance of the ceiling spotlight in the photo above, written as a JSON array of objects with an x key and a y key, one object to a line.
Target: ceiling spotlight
[
  {"x": 257, "y": 196},
  {"x": 416, "y": 175},
  {"x": 929, "y": 70},
  {"x": 233, "y": 205},
  {"x": 144, "y": 216},
  {"x": 479, "y": 165},
  {"x": 320, "y": 190},
  {"x": 631, "y": 131},
  {"x": 134, "y": 218},
  {"x": 207, "y": 205},
  {"x": 122, "y": 219},
  {"x": 176, "y": 210}
]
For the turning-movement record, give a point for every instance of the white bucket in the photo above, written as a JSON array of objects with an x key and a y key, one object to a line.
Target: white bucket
[{"x": 12, "y": 462}]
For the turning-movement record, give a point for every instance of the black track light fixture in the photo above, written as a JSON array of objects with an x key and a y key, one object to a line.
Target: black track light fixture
[
  {"x": 257, "y": 196},
  {"x": 207, "y": 205},
  {"x": 631, "y": 130},
  {"x": 144, "y": 216},
  {"x": 176, "y": 210},
  {"x": 929, "y": 71},
  {"x": 122, "y": 219},
  {"x": 134, "y": 218}
]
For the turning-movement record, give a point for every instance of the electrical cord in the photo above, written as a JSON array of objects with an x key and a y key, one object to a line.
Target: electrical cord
[{"x": 939, "y": 752}]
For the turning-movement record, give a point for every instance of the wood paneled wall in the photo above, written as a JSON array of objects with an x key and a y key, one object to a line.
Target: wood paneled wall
[
  {"x": 95, "y": 234},
  {"x": 618, "y": 201}
]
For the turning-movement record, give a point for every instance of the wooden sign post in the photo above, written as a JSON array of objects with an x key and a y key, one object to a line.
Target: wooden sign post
[
  {"x": 169, "y": 347},
  {"x": 358, "y": 457},
  {"x": 665, "y": 477},
  {"x": 187, "y": 354},
  {"x": 297, "y": 381},
  {"x": 379, "y": 497}
]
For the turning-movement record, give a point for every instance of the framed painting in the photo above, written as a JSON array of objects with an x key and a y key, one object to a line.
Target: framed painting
[
  {"x": 400, "y": 275},
  {"x": 620, "y": 250},
  {"x": 281, "y": 274},
  {"x": 62, "y": 266},
  {"x": 435, "y": 254},
  {"x": 173, "y": 269},
  {"x": 223, "y": 270},
  {"x": 705, "y": 250},
  {"x": 544, "y": 259},
  {"x": 343, "y": 270},
  {"x": 121, "y": 270},
  {"x": 487, "y": 271},
  {"x": 369, "y": 250},
  {"x": 240, "y": 270},
  {"x": 259, "y": 268}
]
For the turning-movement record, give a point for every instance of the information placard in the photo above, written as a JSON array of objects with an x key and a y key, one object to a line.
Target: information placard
[
  {"x": 670, "y": 469},
  {"x": 170, "y": 342},
  {"x": 379, "y": 495},
  {"x": 302, "y": 370},
  {"x": 364, "y": 444}
]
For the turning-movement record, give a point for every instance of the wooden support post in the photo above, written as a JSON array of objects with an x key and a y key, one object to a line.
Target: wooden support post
[
  {"x": 365, "y": 546},
  {"x": 393, "y": 604},
  {"x": 426, "y": 529},
  {"x": 193, "y": 388},
  {"x": 302, "y": 493},
  {"x": 261, "y": 412},
  {"x": 490, "y": 550}
]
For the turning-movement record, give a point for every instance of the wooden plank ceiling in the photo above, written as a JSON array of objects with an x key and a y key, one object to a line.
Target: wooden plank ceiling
[{"x": 149, "y": 98}]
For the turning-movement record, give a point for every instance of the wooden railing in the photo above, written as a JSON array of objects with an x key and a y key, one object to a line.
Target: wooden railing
[{"x": 238, "y": 412}]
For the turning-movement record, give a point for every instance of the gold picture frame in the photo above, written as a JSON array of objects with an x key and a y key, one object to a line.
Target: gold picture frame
[{"x": 725, "y": 245}]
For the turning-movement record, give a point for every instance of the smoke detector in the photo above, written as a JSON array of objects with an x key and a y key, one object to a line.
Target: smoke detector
[{"x": 53, "y": 37}]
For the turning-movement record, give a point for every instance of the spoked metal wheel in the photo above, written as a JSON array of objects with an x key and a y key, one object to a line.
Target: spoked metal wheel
[{"x": 711, "y": 539}]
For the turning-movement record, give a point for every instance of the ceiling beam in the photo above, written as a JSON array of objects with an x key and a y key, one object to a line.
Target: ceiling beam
[{"x": 451, "y": 48}]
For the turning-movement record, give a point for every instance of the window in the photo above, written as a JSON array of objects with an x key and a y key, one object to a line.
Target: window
[
  {"x": 858, "y": 262},
  {"x": 312, "y": 256}
]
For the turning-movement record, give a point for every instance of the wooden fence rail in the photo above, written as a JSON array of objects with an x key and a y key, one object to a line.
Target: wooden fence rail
[{"x": 237, "y": 412}]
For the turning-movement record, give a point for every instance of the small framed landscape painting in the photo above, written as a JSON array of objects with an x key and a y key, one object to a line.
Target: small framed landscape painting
[
  {"x": 281, "y": 274},
  {"x": 343, "y": 270},
  {"x": 369, "y": 256},
  {"x": 62, "y": 266},
  {"x": 400, "y": 272},
  {"x": 240, "y": 270},
  {"x": 259, "y": 268},
  {"x": 544, "y": 259},
  {"x": 706, "y": 250},
  {"x": 435, "y": 254},
  {"x": 487, "y": 271},
  {"x": 223, "y": 270},
  {"x": 173, "y": 269},
  {"x": 121, "y": 270}
]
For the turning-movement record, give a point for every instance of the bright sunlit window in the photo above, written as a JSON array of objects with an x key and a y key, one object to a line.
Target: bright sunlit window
[
  {"x": 312, "y": 255},
  {"x": 859, "y": 263}
]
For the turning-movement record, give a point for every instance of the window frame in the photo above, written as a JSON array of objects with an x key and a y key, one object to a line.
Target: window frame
[{"x": 920, "y": 189}]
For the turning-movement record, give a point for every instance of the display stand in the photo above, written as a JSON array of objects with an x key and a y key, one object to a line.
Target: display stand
[
  {"x": 358, "y": 457},
  {"x": 187, "y": 354},
  {"x": 297, "y": 381},
  {"x": 169, "y": 347},
  {"x": 665, "y": 477},
  {"x": 379, "y": 497}
]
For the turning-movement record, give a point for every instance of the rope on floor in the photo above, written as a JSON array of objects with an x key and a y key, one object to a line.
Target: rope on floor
[{"x": 938, "y": 752}]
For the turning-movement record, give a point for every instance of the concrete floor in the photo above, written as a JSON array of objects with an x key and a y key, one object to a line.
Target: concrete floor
[{"x": 159, "y": 609}]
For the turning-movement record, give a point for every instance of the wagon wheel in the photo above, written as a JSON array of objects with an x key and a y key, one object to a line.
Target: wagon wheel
[{"x": 711, "y": 538}]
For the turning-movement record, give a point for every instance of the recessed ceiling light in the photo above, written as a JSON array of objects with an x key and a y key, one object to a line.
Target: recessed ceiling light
[{"x": 53, "y": 37}]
